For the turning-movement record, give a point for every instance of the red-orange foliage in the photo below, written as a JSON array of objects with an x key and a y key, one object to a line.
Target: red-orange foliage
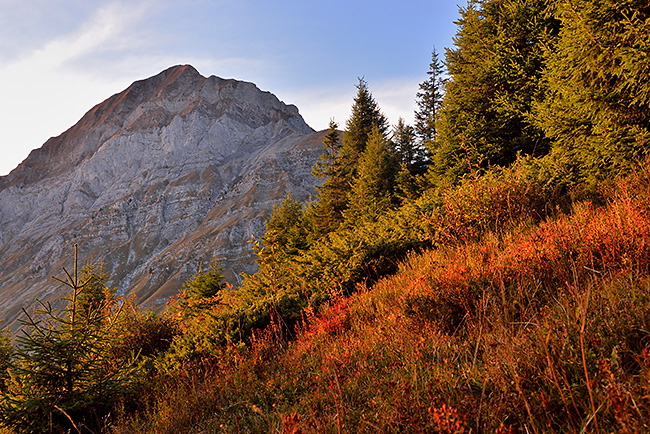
[{"x": 590, "y": 242}]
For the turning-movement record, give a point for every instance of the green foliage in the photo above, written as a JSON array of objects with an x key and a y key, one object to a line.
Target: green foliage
[
  {"x": 407, "y": 150},
  {"x": 285, "y": 229},
  {"x": 197, "y": 310},
  {"x": 63, "y": 375},
  {"x": 326, "y": 168},
  {"x": 94, "y": 293},
  {"x": 340, "y": 164},
  {"x": 6, "y": 356},
  {"x": 597, "y": 107},
  {"x": 373, "y": 185},
  {"x": 495, "y": 78},
  {"x": 407, "y": 186},
  {"x": 204, "y": 284},
  {"x": 327, "y": 213},
  {"x": 365, "y": 115},
  {"x": 429, "y": 100}
]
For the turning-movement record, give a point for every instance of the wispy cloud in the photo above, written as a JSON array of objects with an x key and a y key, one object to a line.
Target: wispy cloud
[
  {"x": 318, "y": 105},
  {"x": 42, "y": 94},
  {"x": 395, "y": 97}
]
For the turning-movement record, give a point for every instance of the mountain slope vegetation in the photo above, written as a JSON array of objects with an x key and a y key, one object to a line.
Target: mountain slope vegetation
[{"x": 501, "y": 284}]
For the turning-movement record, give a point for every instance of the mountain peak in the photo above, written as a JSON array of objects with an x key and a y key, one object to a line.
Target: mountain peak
[
  {"x": 184, "y": 76},
  {"x": 174, "y": 170},
  {"x": 178, "y": 70},
  {"x": 150, "y": 103}
]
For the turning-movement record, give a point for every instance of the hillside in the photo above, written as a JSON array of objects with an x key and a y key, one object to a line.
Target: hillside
[
  {"x": 484, "y": 270},
  {"x": 538, "y": 328}
]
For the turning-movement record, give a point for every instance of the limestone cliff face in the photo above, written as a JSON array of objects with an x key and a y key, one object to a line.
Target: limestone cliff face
[{"x": 175, "y": 170}]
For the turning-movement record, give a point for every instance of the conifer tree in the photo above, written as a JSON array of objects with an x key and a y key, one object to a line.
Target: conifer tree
[
  {"x": 598, "y": 104},
  {"x": 365, "y": 115},
  {"x": 429, "y": 100},
  {"x": 285, "y": 236},
  {"x": 408, "y": 151},
  {"x": 62, "y": 372},
  {"x": 332, "y": 193},
  {"x": 200, "y": 293},
  {"x": 339, "y": 164},
  {"x": 284, "y": 228},
  {"x": 205, "y": 283},
  {"x": 372, "y": 188},
  {"x": 326, "y": 167},
  {"x": 495, "y": 73}
]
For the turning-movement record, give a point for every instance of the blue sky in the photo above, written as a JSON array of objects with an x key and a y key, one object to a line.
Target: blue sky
[{"x": 59, "y": 58}]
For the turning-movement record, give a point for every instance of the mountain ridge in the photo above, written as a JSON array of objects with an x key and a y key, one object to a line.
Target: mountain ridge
[
  {"x": 137, "y": 93},
  {"x": 173, "y": 171}
]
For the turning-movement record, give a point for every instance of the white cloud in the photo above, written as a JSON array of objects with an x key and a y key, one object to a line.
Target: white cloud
[
  {"x": 41, "y": 95},
  {"x": 318, "y": 106},
  {"x": 395, "y": 97}
]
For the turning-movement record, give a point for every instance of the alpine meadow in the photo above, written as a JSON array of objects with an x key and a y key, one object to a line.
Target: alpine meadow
[{"x": 485, "y": 270}]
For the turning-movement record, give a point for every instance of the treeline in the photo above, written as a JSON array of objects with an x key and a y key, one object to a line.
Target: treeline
[
  {"x": 536, "y": 104},
  {"x": 559, "y": 88}
]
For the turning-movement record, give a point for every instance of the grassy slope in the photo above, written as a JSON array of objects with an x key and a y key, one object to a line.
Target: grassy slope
[{"x": 542, "y": 328}]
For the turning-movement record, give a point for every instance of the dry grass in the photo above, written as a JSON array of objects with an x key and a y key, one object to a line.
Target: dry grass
[{"x": 539, "y": 329}]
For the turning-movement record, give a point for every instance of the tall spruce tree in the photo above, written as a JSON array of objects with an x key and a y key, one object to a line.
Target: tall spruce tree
[
  {"x": 495, "y": 77},
  {"x": 372, "y": 188},
  {"x": 429, "y": 100},
  {"x": 339, "y": 164},
  {"x": 408, "y": 150},
  {"x": 598, "y": 104},
  {"x": 332, "y": 193},
  {"x": 365, "y": 115}
]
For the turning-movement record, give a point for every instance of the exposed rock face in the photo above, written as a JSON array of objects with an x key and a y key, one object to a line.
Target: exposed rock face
[{"x": 175, "y": 170}]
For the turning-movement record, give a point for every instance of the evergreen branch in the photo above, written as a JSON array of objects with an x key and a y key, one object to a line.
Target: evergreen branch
[
  {"x": 71, "y": 280},
  {"x": 61, "y": 281}
]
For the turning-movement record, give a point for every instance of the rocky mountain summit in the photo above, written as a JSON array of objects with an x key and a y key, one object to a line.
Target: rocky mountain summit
[{"x": 173, "y": 171}]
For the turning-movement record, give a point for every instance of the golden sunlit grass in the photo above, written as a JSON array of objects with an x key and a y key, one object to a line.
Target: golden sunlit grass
[{"x": 542, "y": 328}]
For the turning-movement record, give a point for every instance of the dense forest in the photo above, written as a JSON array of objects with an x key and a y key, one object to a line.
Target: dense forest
[{"x": 486, "y": 269}]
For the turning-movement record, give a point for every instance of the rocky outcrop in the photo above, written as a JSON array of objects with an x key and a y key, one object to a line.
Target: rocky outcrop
[{"x": 173, "y": 171}]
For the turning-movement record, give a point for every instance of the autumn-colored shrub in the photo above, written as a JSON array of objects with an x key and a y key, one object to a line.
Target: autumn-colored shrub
[{"x": 532, "y": 327}]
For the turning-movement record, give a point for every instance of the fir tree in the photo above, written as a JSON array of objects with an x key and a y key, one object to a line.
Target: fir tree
[
  {"x": 205, "y": 283},
  {"x": 365, "y": 115},
  {"x": 63, "y": 372},
  {"x": 408, "y": 151},
  {"x": 200, "y": 294},
  {"x": 286, "y": 236},
  {"x": 372, "y": 188},
  {"x": 284, "y": 229},
  {"x": 326, "y": 168},
  {"x": 332, "y": 193},
  {"x": 495, "y": 78},
  {"x": 429, "y": 100},
  {"x": 598, "y": 104},
  {"x": 339, "y": 164}
]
